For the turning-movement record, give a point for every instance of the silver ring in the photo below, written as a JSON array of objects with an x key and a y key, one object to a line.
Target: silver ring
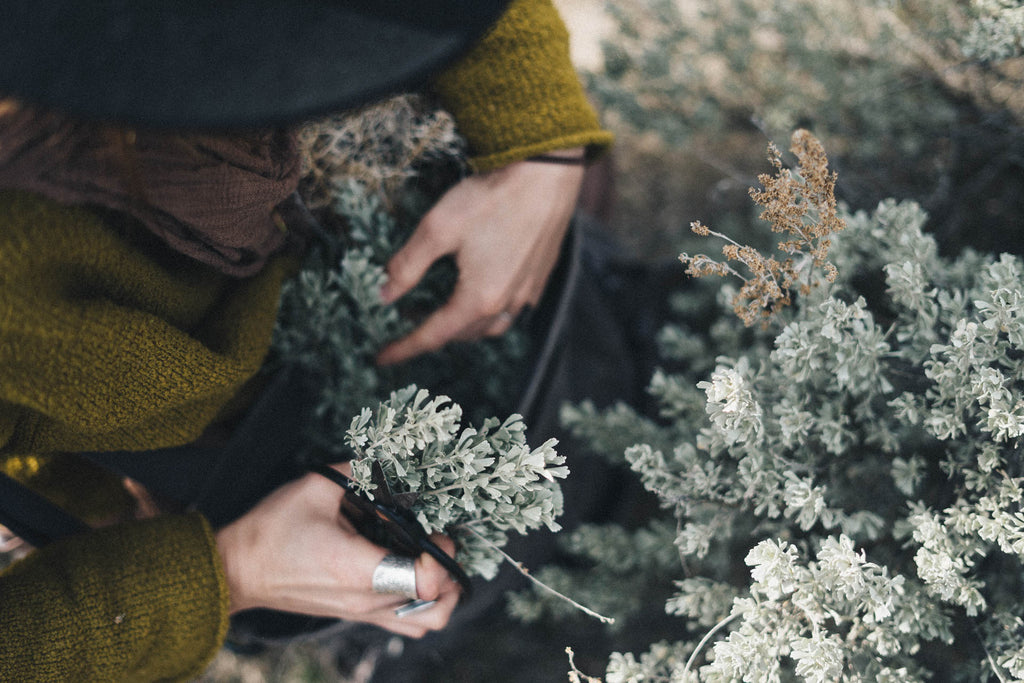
[
  {"x": 506, "y": 317},
  {"x": 395, "y": 575}
]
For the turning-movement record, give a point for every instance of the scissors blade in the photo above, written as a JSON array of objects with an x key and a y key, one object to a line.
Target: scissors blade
[{"x": 381, "y": 488}]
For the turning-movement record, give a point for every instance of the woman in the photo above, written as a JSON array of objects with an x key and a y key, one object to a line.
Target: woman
[{"x": 140, "y": 261}]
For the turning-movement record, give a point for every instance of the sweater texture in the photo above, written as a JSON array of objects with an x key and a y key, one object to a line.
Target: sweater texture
[
  {"x": 84, "y": 309},
  {"x": 516, "y": 94},
  {"x": 113, "y": 605},
  {"x": 109, "y": 345}
]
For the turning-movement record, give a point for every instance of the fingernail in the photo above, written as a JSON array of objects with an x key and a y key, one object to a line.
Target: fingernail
[{"x": 385, "y": 293}]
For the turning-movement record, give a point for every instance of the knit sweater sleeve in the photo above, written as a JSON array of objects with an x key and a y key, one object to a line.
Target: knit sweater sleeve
[
  {"x": 108, "y": 343},
  {"x": 516, "y": 93},
  {"x": 142, "y": 601}
]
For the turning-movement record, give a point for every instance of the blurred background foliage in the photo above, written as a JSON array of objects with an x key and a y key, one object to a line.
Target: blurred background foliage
[{"x": 916, "y": 99}]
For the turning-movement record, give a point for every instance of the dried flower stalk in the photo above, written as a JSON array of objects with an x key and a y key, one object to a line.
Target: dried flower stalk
[{"x": 798, "y": 203}]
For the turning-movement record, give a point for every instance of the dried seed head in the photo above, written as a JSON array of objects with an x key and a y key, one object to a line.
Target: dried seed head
[{"x": 801, "y": 205}]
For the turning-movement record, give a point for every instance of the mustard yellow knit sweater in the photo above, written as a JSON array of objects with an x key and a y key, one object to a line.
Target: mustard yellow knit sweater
[{"x": 109, "y": 343}]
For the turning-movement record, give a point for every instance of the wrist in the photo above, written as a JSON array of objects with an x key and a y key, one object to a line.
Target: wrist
[{"x": 231, "y": 543}]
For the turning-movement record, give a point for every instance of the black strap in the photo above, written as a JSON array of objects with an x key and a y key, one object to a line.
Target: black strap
[
  {"x": 33, "y": 517},
  {"x": 556, "y": 159}
]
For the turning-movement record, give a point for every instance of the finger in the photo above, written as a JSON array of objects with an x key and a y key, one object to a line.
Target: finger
[
  {"x": 418, "y": 623},
  {"x": 527, "y": 297},
  {"x": 445, "y": 543},
  {"x": 323, "y": 492},
  {"x": 364, "y": 606},
  {"x": 433, "y": 583},
  {"x": 506, "y": 319},
  {"x": 435, "y": 618},
  {"x": 410, "y": 263},
  {"x": 402, "y": 628},
  {"x": 451, "y": 322},
  {"x": 432, "y": 580},
  {"x": 386, "y": 617},
  {"x": 500, "y": 324},
  {"x": 350, "y": 595}
]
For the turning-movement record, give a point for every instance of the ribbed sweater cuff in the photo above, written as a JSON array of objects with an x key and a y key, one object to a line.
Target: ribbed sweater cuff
[
  {"x": 138, "y": 601},
  {"x": 517, "y": 94}
]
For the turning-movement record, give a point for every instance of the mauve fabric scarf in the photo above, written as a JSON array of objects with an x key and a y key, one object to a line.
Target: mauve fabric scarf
[{"x": 209, "y": 197}]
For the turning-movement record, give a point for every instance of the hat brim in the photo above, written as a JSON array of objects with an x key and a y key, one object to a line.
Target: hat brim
[{"x": 230, "y": 63}]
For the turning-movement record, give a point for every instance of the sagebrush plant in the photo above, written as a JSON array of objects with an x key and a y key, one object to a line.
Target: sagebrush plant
[
  {"x": 859, "y": 458},
  {"x": 475, "y": 483},
  {"x": 382, "y": 146},
  {"x": 681, "y": 69}
]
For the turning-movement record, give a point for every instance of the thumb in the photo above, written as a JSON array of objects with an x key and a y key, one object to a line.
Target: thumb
[{"x": 408, "y": 265}]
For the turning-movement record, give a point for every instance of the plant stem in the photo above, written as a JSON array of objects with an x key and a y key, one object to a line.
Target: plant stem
[
  {"x": 526, "y": 572},
  {"x": 988, "y": 655},
  {"x": 575, "y": 674},
  {"x": 707, "y": 636}
]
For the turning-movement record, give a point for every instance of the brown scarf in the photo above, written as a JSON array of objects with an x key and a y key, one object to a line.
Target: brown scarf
[{"x": 209, "y": 197}]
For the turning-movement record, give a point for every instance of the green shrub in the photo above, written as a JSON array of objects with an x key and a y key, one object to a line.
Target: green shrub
[{"x": 846, "y": 482}]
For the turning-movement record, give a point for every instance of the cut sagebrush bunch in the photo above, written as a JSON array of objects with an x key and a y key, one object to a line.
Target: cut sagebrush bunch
[
  {"x": 475, "y": 484},
  {"x": 800, "y": 204}
]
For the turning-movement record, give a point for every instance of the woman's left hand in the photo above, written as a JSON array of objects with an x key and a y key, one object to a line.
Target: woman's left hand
[{"x": 505, "y": 229}]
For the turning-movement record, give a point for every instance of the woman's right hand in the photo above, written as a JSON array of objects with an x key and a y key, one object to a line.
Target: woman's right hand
[{"x": 296, "y": 552}]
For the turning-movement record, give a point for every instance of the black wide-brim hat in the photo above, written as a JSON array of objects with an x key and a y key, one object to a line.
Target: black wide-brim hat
[{"x": 227, "y": 63}]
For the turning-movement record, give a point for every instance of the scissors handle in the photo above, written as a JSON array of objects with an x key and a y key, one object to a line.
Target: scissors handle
[
  {"x": 404, "y": 520},
  {"x": 335, "y": 476}
]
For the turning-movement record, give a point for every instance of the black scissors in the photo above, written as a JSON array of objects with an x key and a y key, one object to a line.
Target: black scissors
[{"x": 387, "y": 521}]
